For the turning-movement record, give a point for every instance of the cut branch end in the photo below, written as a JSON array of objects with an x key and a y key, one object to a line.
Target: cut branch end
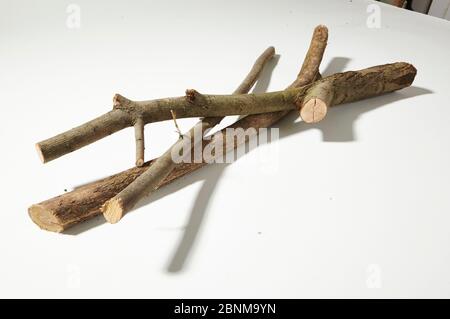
[
  {"x": 314, "y": 110},
  {"x": 45, "y": 218},
  {"x": 139, "y": 162},
  {"x": 316, "y": 102},
  {"x": 113, "y": 210},
  {"x": 39, "y": 151}
]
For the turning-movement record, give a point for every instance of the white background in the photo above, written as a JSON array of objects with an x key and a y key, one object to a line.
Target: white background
[{"x": 356, "y": 206}]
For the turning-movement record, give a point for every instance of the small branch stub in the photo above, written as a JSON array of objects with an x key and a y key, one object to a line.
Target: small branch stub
[
  {"x": 116, "y": 101},
  {"x": 140, "y": 141},
  {"x": 191, "y": 94},
  {"x": 120, "y": 101}
]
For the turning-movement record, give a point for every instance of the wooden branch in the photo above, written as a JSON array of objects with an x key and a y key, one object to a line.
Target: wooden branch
[
  {"x": 192, "y": 105},
  {"x": 83, "y": 135},
  {"x": 147, "y": 183},
  {"x": 310, "y": 67},
  {"x": 349, "y": 86},
  {"x": 140, "y": 143}
]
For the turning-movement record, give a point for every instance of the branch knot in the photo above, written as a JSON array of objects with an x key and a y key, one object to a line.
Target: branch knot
[
  {"x": 191, "y": 95},
  {"x": 120, "y": 102}
]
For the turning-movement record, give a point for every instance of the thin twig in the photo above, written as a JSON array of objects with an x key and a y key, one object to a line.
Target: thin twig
[{"x": 174, "y": 117}]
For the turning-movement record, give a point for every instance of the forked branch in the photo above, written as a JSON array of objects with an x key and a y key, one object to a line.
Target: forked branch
[{"x": 348, "y": 87}]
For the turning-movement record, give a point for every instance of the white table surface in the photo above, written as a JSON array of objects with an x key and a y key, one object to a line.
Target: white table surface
[{"x": 356, "y": 206}]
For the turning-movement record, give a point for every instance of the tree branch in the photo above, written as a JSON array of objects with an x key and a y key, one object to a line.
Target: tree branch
[
  {"x": 311, "y": 64},
  {"x": 350, "y": 86}
]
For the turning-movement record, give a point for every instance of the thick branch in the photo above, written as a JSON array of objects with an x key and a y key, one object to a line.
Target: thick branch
[{"x": 147, "y": 183}]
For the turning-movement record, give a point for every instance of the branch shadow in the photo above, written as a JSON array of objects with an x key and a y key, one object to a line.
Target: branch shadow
[
  {"x": 206, "y": 192},
  {"x": 85, "y": 226},
  {"x": 288, "y": 126},
  {"x": 336, "y": 127}
]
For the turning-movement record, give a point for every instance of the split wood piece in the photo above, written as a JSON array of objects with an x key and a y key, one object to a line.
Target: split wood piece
[
  {"x": 64, "y": 211},
  {"x": 148, "y": 182}
]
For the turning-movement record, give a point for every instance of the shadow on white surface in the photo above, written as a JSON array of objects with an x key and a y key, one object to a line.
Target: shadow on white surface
[
  {"x": 331, "y": 132},
  {"x": 206, "y": 192},
  {"x": 338, "y": 125}
]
